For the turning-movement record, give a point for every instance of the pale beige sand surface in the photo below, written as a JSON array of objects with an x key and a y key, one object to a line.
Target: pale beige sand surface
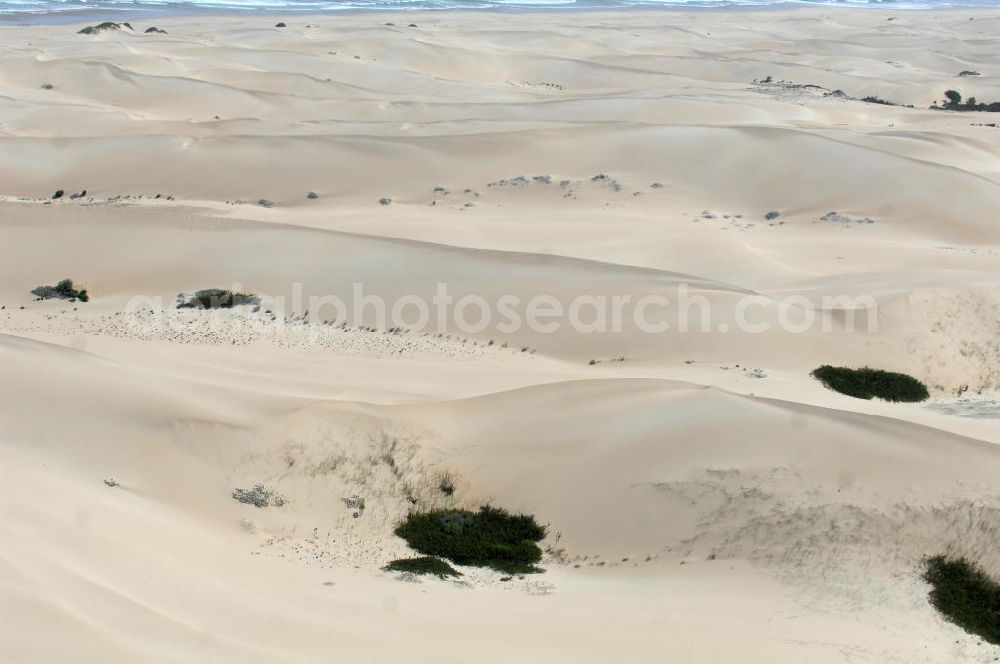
[{"x": 707, "y": 500}]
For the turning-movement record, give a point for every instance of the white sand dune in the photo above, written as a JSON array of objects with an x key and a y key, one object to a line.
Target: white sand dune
[{"x": 707, "y": 500}]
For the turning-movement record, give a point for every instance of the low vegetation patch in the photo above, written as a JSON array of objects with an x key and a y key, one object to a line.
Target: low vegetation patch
[
  {"x": 259, "y": 496},
  {"x": 866, "y": 383},
  {"x": 63, "y": 291},
  {"x": 965, "y": 595},
  {"x": 491, "y": 537},
  {"x": 953, "y": 102},
  {"x": 423, "y": 565},
  {"x": 446, "y": 483},
  {"x": 215, "y": 298},
  {"x": 872, "y": 99}
]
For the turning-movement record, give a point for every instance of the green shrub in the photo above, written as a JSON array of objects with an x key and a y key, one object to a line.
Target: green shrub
[
  {"x": 63, "y": 290},
  {"x": 446, "y": 483},
  {"x": 866, "y": 383},
  {"x": 965, "y": 595},
  {"x": 423, "y": 565},
  {"x": 873, "y": 99},
  {"x": 953, "y": 102},
  {"x": 216, "y": 298},
  {"x": 491, "y": 537}
]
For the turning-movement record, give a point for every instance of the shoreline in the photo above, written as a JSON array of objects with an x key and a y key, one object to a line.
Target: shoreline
[{"x": 74, "y": 16}]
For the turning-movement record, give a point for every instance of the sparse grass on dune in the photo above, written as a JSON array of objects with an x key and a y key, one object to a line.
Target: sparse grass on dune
[
  {"x": 965, "y": 595},
  {"x": 491, "y": 537},
  {"x": 866, "y": 383}
]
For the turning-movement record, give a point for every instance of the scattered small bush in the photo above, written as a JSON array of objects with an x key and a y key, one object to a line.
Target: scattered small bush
[
  {"x": 866, "y": 383},
  {"x": 446, "y": 484},
  {"x": 259, "y": 496},
  {"x": 872, "y": 99},
  {"x": 354, "y": 503},
  {"x": 63, "y": 290},
  {"x": 491, "y": 537},
  {"x": 965, "y": 595},
  {"x": 216, "y": 298},
  {"x": 423, "y": 565}
]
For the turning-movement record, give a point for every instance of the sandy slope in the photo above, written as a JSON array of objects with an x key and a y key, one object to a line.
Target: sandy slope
[{"x": 707, "y": 500}]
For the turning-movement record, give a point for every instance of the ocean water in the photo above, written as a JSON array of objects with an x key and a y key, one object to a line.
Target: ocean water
[{"x": 12, "y": 7}]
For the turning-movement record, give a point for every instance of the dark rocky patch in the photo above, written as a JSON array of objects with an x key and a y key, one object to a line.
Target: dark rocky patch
[{"x": 103, "y": 27}]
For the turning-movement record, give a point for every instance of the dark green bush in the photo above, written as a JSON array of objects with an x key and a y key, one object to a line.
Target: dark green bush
[
  {"x": 965, "y": 595},
  {"x": 866, "y": 383},
  {"x": 953, "y": 102},
  {"x": 446, "y": 484},
  {"x": 873, "y": 99},
  {"x": 491, "y": 537},
  {"x": 423, "y": 565},
  {"x": 63, "y": 290},
  {"x": 216, "y": 298}
]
